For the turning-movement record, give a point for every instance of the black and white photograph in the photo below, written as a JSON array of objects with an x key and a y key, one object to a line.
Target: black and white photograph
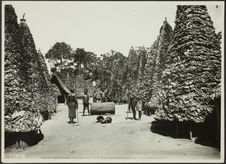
[{"x": 112, "y": 81}]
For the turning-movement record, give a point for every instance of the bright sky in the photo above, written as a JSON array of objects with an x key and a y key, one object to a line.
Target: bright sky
[{"x": 101, "y": 26}]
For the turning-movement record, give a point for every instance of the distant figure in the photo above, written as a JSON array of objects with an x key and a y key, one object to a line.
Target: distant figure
[
  {"x": 139, "y": 107},
  {"x": 99, "y": 97},
  {"x": 94, "y": 99},
  {"x": 129, "y": 102},
  {"x": 72, "y": 106},
  {"x": 85, "y": 103},
  {"x": 104, "y": 98},
  {"x": 90, "y": 100},
  {"x": 133, "y": 106}
]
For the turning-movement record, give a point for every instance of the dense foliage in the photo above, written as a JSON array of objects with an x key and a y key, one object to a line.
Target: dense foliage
[
  {"x": 136, "y": 68},
  {"x": 157, "y": 64},
  {"x": 108, "y": 71},
  {"x": 14, "y": 83},
  {"x": 193, "y": 68},
  {"x": 58, "y": 52},
  {"x": 113, "y": 76},
  {"x": 26, "y": 87}
]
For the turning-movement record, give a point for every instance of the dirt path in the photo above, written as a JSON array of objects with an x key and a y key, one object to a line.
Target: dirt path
[{"x": 122, "y": 139}]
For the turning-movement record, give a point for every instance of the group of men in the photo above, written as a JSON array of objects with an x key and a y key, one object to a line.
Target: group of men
[
  {"x": 72, "y": 103},
  {"x": 136, "y": 104}
]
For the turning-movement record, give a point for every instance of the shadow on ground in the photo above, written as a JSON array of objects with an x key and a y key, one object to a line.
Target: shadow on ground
[
  {"x": 205, "y": 133},
  {"x": 21, "y": 140}
]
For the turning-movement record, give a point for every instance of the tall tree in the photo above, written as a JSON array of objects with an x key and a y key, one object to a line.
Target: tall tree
[
  {"x": 111, "y": 71},
  {"x": 80, "y": 58},
  {"x": 59, "y": 52}
]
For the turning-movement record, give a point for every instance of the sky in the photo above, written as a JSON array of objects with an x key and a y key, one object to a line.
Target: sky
[{"x": 102, "y": 26}]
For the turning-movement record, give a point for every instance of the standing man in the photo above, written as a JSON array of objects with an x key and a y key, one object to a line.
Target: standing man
[
  {"x": 94, "y": 98},
  {"x": 139, "y": 107},
  {"x": 72, "y": 106},
  {"x": 133, "y": 106},
  {"x": 129, "y": 102},
  {"x": 85, "y": 103}
]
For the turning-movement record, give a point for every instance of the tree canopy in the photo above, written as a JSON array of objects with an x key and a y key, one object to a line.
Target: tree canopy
[{"x": 58, "y": 52}]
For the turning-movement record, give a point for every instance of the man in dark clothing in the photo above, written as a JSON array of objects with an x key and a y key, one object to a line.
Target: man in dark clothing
[
  {"x": 129, "y": 102},
  {"x": 85, "y": 104},
  {"x": 72, "y": 106},
  {"x": 133, "y": 106}
]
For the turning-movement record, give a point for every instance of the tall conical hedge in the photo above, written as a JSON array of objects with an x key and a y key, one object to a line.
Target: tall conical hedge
[
  {"x": 28, "y": 51},
  {"x": 193, "y": 67},
  {"x": 142, "y": 61},
  {"x": 27, "y": 88},
  {"x": 38, "y": 84},
  {"x": 137, "y": 60},
  {"x": 15, "y": 78},
  {"x": 20, "y": 113},
  {"x": 42, "y": 89},
  {"x": 150, "y": 71},
  {"x": 132, "y": 64},
  {"x": 165, "y": 37},
  {"x": 49, "y": 91},
  {"x": 156, "y": 63}
]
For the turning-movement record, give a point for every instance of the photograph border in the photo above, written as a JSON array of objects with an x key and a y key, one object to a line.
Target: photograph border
[{"x": 222, "y": 152}]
